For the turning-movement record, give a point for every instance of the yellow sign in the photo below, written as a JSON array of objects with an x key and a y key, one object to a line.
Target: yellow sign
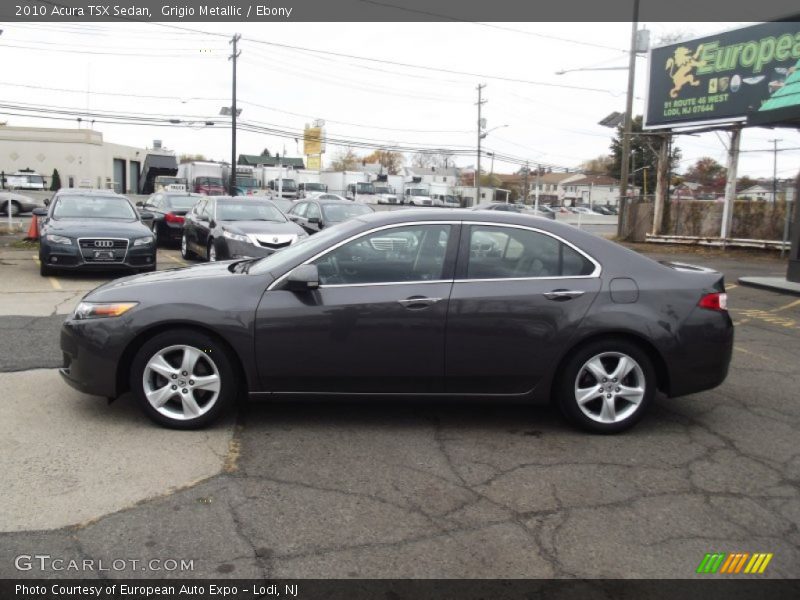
[
  {"x": 314, "y": 162},
  {"x": 312, "y": 140}
]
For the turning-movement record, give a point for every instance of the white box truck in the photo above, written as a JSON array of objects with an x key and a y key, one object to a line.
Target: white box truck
[{"x": 204, "y": 177}]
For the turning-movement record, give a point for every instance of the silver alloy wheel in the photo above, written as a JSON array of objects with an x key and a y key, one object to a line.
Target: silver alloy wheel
[
  {"x": 12, "y": 207},
  {"x": 181, "y": 382},
  {"x": 184, "y": 246},
  {"x": 212, "y": 253},
  {"x": 609, "y": 387}
]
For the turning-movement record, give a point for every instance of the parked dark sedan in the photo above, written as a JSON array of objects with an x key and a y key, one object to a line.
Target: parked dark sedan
[
  {"x": 94, "y": 229},
  {"x": 226, "y": 227},
  {"x": 434, "y": 302},
  {"x": 169, "y": 209},
  {"x": 318, "y": 213}
]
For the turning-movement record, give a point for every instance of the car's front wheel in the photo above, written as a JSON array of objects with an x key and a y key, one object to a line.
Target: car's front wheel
[
  {"x": 183, "y": 379},
  {"x": 606, "y": 386},
  {"x": 186, "y": 254}
]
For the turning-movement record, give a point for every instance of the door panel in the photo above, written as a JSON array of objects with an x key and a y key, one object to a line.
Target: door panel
[
  {"x": 353, "y": 339},
  {"x": 518, "y": 298},
  {"x": 504, "y": 336}
]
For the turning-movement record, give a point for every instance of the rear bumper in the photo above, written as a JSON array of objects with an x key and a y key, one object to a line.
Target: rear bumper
[{"x": 707, "y": 341}]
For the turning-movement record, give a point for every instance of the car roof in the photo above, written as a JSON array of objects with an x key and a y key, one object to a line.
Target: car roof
[
  {"x": 89, "y": 192},
  {"x": 335, "y": 201},
  {"x": 179, "y": 193},
  {"x": 226, "y": 199}
]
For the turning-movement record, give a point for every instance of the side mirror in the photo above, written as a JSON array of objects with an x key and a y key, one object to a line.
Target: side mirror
[
  {"x": 47, "y": 201},
  {"x": 304, "y": 278},
  {"x": 314, "y": 220},
  {"x": 146, "y": 216},
  {"x": 139, "y": 204},
  {"x": 39, "y": 212}
]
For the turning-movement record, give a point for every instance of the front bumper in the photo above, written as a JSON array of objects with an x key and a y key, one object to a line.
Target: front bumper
[
  {"x": 71, "y": 257},
  {"x": 90, "y": 356}
]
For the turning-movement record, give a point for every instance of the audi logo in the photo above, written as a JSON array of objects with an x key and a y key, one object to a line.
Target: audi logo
[{"x": 103, "y": 244}]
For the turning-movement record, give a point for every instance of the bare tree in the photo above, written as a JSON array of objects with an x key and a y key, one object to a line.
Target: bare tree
[{"x": 345, "y": 160}]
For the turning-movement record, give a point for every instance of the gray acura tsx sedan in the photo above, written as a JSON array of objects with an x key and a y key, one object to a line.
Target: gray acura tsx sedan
[{"x": 410, "y": 303}]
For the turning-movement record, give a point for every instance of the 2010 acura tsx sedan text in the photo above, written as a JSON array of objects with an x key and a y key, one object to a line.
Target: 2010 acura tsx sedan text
[{"x": 410, "y": 303}]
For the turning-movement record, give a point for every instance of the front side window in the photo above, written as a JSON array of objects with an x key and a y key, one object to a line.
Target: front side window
[
  {"x": 410, "y": 253},
  {"x": 313, "y": 211},
  {"x": 506, "y": 252},
  {"x": 300, "y": 209}
]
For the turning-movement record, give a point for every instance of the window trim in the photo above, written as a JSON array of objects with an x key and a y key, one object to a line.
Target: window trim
[
  {"x": 458, "y": 224},
  {"x": 598, "y": 269}
]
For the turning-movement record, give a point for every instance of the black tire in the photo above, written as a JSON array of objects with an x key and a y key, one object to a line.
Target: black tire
[
  {"x": 211, "y": 245},
  {"x": 156, "y": 233},
  {"x": 44, "y": 270},
  {"x": 213, "y": 351},
  {"x": 11, "y": 206},
  {"x": 186, "y": 254},
  {"x": 608, "y": 350}
]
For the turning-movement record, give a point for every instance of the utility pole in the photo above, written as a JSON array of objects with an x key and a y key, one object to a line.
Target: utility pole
[
  {"x": 662, "y": 184},
  {"x": 481, "y": 102},
  {"x": 525, "y": 186},
  {"x": 730, "y": 184},
  {"x": 626, "y": 135},
  {"x": 233, "y": 58},
  {"x": 538, "y": 175},
  {"x": 775, "y": 170}
]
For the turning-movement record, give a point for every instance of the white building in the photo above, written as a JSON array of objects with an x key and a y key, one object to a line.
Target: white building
[
  {"x": 590, "y": 190},
  {"x": 82, "y": 157},
  {"x": 756, "y": 192}
]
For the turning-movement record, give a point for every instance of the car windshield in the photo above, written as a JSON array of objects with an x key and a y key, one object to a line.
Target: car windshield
[
  {"x": 384, "y": 190},
  {"x": 249, "y": 211},
  {"x": 365, "y": 188},
  {"x": 289, "y": 185},
  {"x": 418, "y": 192},
  {"x": 283, "y": 204},
  {"x": 208, "y": 181},
  {"x": 93, "y": 207},
  {"x": 336, "y": 213},
  {"x": 181, "y": 202}
]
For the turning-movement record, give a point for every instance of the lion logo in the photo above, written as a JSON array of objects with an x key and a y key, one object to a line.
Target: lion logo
[{"x": 680, "y": 68}]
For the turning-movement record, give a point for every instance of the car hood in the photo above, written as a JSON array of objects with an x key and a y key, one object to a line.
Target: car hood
[
  {"x": 261, "y": 227},
  {"x": 98, "y": 228},
  {"x": 146, "y": 281}
]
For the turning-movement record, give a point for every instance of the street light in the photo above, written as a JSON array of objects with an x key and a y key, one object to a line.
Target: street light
[{"x": 485, "y": 133}]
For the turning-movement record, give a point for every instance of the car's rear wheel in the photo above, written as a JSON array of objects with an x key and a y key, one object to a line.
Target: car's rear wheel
[
  {"x": 186, "y": 254},
  {"x": 183, "y": 379},
  {"x": 606, "y": 386},
  {"x": 11, "y": 207}
]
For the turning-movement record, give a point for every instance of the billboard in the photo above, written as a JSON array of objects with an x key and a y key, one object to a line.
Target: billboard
[
  {"x": 313, "y": 139},
  {"x": 747, "y": 75},
  {"x": 314, "y": 162}
]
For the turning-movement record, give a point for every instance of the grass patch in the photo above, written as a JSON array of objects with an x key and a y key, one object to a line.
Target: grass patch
[{"x": 24, "y": 245}]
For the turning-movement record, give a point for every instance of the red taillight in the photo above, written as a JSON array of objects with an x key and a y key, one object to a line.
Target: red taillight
[
  {"x": 715, "y": 301},
  {"x": 173, "y": 218}
]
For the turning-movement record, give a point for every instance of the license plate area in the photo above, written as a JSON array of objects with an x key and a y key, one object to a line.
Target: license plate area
[{"x": 104, "y": 255}]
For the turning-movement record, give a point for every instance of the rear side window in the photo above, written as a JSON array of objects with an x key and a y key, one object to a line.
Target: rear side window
[{"x": 497, "y": 252}]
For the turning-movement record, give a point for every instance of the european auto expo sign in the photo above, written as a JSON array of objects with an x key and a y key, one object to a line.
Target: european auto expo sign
[{"x": 750, "y": 74}]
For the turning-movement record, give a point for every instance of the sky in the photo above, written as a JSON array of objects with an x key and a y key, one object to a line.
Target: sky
[{"x": 114, "y": 67}]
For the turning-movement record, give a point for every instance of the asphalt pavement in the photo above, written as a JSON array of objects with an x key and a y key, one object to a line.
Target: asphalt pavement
[{"x": 393, "y": 489}]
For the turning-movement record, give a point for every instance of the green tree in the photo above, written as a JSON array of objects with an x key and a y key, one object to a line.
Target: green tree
[
  {"x": 55, "y": 181},
  {"x": 187, "y": 158},
  {"x": 644, "y": 150}
]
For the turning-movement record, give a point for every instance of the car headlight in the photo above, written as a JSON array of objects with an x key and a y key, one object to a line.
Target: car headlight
[
  {"x": 59, "y": 239},
  {"x": 98, "y": 310},
  {"x": 143, "y": 241},
  {"x": 236, "y": 236}
]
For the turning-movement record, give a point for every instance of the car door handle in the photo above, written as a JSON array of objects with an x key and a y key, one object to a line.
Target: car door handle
[
  {"x": 563, "y": 294},
  {"x": 418, "y": 302}
]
